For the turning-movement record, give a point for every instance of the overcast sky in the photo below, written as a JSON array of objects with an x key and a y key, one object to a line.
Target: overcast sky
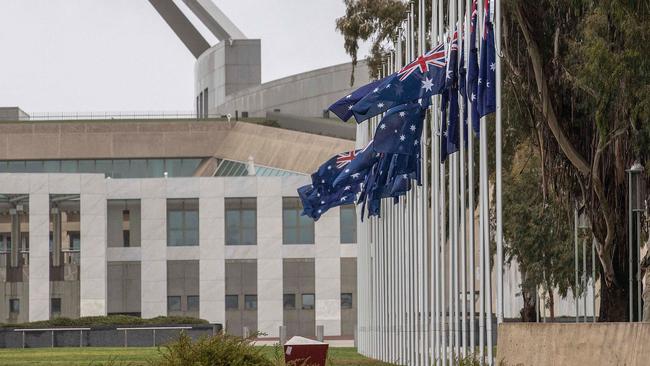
[{"x": 120, "y": 55}]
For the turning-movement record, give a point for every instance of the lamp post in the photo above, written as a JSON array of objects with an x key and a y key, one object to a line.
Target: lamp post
[{"x": 636, "y": 189}]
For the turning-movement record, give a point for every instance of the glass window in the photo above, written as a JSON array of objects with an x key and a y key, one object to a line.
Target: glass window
[
  {"x": 14, "y": 306},
  {"x": 193, "y": 303},
  {"x": 69, "y": 166},
  {"x": 34, "y": 166},
  {"x": 75, "y": 240},
  {"x": 289, "y": 301},
  {"x": 241, "y": 221},
  {"x": 105, "y": 167},
  {"x": 17, "y": 166},
  {"x": 296, "y": 229},
  {"x": 126, "y": 238},
  {"x": 232, "y": 302},
  {"x": 250, "y": 302},
  {"x": 55, "y": 306},
  {"x": 155, "y": 168},
  {"x": 4, "y": 167},
  {"x": 188, "y": 167},
  {"x": 173, "y": 167},
  {"x": 346, "y": 300},
  {"x": 348, "y": 220},
  {"x": 51, "y": 166},
  {"x": 86, "y": 166},
  {"x": 182, "y": 222},
  {"x": 173, "y": 303},
  {"x": 120, "y": 168},
  {"x": 308, "y": 301},
  {"x": 138, "y": 168}
]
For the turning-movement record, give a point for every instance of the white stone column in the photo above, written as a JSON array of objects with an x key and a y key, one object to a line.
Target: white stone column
[
  {"x": 269, "y": 255},
  {"x": 212, "y": 273},
  {"x": 328, "y": 272},
  {"x": 39, "y": 238},
  {"x": 154, "y": 248},
  {"x": 92, "y": 270}
]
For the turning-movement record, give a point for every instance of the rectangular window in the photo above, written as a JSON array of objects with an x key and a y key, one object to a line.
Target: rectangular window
[
  {"x": 14, "y": 306},
  {"x": 308, "y": 301},
  {"x": 296, "y": 229},
  {"x": 55, "y": 306},
  {"x": 346, "y": 300},
  {"x": 348, "y": 220},
  {"x": 232, "y": 302},
  {"x": 289, "y": 301},
  {"x": 193, "y": 303},
  {"x": 173, "y": 303},
  {"x": 182, "y": 222},
  {"x": 75, "y": 240},
  {"x": 205, "y": 103},
  {"x": 250, "y": 302},
  {"x": 241, "y": 221}
]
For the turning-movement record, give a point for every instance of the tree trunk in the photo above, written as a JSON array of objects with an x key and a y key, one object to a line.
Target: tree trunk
[
  {"x": 614, "y": 294},
  {"x": 528, "y": 312},
  {"x": 551, "y": 304}
]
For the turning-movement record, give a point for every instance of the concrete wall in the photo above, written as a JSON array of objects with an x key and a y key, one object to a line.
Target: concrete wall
[
  {"x": 227, "y": 68},
  {"x": 553, "y": 344},
  {"x": 269, "y": 146},
  {"x": 307, "y": 94}
]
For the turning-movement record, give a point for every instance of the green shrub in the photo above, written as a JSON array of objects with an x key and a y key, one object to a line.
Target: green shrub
[
  {"x": 219, "y": 350},
  {"x": 105, "y": 321}
]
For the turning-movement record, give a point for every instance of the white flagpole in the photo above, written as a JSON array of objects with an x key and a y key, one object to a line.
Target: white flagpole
[
  {"x": 470, "y": 176},
  {"x": 435, "y": 208},
  {"x": 423, "y": 203},
  {"x": 463, "y": 210},
  {"x": 486, "y": 237},
  {"x": 443, "y": 227},
  {"x": 498, "y": 173},
  {"x": 482, "y": 193}
]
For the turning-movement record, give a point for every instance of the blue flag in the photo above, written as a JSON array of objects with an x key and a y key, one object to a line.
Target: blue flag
[
  {"x": 400, "y": 131},
  {"x": 487, "y": 71},
  {"x": 420, "y": 79},
  {"x": 343, "y": 107},
  {"x": 451, "y": 88},
  {"x": 354, "y": 170},
  {"x": 443, "y": 126},
  {"x": 472, "y": 71}
]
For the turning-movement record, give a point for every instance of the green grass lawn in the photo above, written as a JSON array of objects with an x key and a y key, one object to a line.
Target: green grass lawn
[{"x": 133, "y": 356}]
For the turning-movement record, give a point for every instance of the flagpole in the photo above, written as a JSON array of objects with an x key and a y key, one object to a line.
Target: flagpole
[
  {"x": 424, "y": 209},
  {"x": 498, "y": 173},
  {"x": 486, "y": 237},
  {"x": 482, "y": 192}
]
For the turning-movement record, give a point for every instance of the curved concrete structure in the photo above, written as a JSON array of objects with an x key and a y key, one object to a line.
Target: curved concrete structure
[{"x": 307, "y": 94}]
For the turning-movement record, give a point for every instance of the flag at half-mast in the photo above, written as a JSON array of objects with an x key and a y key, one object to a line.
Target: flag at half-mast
[
  {"x": 420, "y": 79},
  {"x": 343, "y": 107},
  {"x": 487, "y": 99}
]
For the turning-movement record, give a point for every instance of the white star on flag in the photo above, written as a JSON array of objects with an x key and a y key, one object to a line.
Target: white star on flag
[
  {"x": 413, "y": 128},
  {"x": 387, "y": 86},
  {"x": 355, "y": 175},
  {"x": 427, "y": 84},
  {"x": 329, "y": 167},
  {"x": 405, "y": 176},
  {"x": 348, "y": 96},
  {"x": 493, "y": 66},
  {"x": 347, "y": 170},
  {"x": 487, "y": 84},
  {"x": 350, "y": 107},
  {"x": 380, "y": 105},
  {"x": 402, "y": 138},
  {"x": 480, "y": 81},
  {"x": 415, "y": 142},
  {"x": 382, "y": 126},
  {"x": 322, "y": 202},
  {"x": 402, "y": 114},
  {"x": 343, "y": 198},
  {"x": 317, "y": 194},
  {"x": 473, "y": 97},
  {"x": 376, "y": 90},
  {"x": 347, "y": 188},
  {"x": 449, "y": 74}
]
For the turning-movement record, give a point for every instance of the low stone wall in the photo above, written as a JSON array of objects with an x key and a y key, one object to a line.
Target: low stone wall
[
  {"x": 101, "y": 337},
  {"x": 538, "y": 344}
]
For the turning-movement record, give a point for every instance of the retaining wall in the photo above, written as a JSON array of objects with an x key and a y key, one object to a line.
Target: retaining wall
[{"x": 590, "y": 344}]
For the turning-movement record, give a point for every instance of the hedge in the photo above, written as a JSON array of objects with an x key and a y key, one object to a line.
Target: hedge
[{"x": 107, "y": 321}]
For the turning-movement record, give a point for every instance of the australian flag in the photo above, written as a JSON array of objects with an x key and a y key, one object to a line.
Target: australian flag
[
  {"x": 400, "y": 131},
  {"x": 487, "y": 71},
  {"x": 355, "y": 170},
  {"x": 472, "y": 70},
  {"x": 451, "y": 88},
  {"x": 321, "y": 195},
  {"x": 343, "y": 107},
  {"x": 420, "y": 79}
]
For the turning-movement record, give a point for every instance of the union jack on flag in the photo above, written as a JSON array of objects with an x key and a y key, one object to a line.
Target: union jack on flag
[
  {"x": 345, "y": 158},
  {"x": 435, "y": 57}
]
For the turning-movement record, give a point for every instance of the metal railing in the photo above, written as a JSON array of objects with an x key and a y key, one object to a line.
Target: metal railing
[
  {"x": 52, "y": 330},
  {"x": 127, "y": 115},
  {"x": 153, "y": 329}
]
